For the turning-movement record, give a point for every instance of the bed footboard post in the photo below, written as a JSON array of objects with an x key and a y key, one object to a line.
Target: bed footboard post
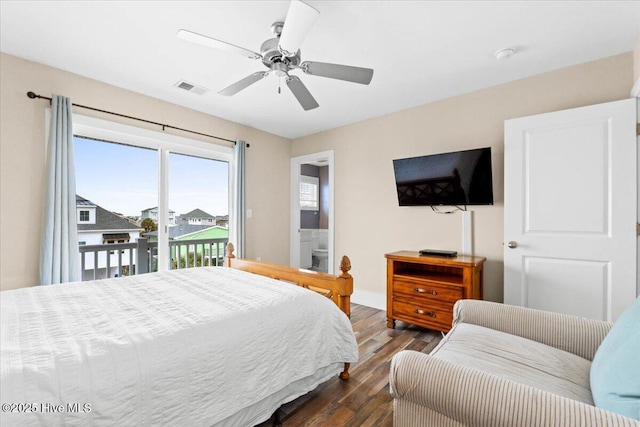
[
  {"x": 346, "y": 286},
  {"x": 344, "y": 375},
  {"x": 229, "y": 255},
  {"x": 344, "y": 300}
]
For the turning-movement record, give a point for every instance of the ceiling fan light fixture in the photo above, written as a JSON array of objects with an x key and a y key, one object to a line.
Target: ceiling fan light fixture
[{"x": 280, "y": 68}]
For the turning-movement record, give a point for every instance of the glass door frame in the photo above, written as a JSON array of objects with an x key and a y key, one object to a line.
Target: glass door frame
[{"x": 164, "y": 144}]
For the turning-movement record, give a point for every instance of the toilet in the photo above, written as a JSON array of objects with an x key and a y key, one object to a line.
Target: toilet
[{"x": 320, "y": 259}]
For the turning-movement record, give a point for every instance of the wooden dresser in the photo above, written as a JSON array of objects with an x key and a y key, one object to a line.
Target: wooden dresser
[{"x": 422, "y": 289}]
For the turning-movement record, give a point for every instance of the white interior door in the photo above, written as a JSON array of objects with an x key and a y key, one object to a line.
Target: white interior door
[{"x": 570, "y": 210}]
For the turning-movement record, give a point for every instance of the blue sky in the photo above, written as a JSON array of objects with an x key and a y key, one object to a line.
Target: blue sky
[{"x": 124, "y": 179}]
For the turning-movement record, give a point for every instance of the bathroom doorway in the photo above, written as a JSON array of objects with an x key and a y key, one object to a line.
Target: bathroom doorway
[{"x": 312, "y": 225}]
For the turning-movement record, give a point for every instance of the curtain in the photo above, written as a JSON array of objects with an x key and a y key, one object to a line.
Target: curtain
[
  {"x": 59, "y": 255},
  {"x": 238, "y": 208}
]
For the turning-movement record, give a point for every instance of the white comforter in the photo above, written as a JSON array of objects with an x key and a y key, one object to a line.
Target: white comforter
[{"x": 187, "y": 347}]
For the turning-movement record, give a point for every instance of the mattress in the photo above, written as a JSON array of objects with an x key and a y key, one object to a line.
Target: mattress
[{"x": 202, "y": 346}]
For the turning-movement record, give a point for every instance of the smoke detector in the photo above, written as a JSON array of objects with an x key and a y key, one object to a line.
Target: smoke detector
[{"x": 503, "y": 54}]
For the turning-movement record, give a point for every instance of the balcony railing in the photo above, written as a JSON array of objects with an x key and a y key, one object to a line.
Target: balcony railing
[{"x": 124, "y": 259}]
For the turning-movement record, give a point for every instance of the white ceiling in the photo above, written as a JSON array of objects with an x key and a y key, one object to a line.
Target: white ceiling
[{"x": 421, "y": 51}]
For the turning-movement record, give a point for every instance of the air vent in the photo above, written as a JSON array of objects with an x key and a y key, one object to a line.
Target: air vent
[{"x": 198, "y": 90}]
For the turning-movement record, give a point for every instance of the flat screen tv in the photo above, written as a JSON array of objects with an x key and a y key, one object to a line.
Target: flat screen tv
[{"x": 455, "y": 179}]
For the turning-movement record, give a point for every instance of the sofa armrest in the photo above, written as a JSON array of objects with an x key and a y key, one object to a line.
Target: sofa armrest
[
  {"x": 577, "y": 335},
  {"x": 474, "y": 398}
]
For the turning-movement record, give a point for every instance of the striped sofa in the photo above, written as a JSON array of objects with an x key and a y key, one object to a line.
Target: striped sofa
[{"x": 503, "y": 365}]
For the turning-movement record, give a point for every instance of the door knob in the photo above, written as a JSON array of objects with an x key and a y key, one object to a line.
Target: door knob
[{"x": 512, "y": 244}]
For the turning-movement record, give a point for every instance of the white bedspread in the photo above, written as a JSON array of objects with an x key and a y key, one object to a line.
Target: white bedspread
[{"x": 187, "y": 347}]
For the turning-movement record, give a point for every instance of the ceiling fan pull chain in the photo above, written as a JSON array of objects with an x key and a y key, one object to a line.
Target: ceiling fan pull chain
[{"x": 279, "y": 83}]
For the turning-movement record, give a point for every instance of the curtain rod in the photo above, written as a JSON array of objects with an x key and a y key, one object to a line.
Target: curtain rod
[{"x": 32, "y": 95}]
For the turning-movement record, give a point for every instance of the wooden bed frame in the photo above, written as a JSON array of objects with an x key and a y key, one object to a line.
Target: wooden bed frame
[{"x": 337, "y": 288}]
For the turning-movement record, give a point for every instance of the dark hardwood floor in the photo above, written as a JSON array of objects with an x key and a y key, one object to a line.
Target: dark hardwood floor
[{"x": 364, "y": 399}]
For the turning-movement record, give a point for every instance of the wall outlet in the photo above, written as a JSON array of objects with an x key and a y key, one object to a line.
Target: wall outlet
[
  {"x": 249, "y": 213},
  {"x": 259, "y": 258}
]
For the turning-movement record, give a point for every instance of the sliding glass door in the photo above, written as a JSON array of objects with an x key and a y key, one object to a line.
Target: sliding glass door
[
  {"x": 159, "y": 201},
  {"x": 198, "y": 210}
]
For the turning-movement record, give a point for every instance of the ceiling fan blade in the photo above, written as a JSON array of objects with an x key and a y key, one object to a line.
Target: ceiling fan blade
[
  {"x": 300, "y": 18},
  {"x": 190, "y": 36},
  {"x": 337, "y": 71},
  {"x": 242, "y": 84},
  {"x": 301, "y": 93}
]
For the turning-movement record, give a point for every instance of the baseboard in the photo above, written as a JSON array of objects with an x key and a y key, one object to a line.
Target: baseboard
[{"x": 370, "y": 299}]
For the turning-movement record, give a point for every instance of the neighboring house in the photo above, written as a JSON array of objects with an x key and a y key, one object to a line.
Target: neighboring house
[
  {"x": 200, "y": 217},
  {"x": 175, "y": 231},
  {"x": 153, "y": 214},
  {"x": 222, "y": 221},
  {"x": 215, "y": 232},
  {"x": 98, "y": 226},
  {"x": 217, "y": 250},
  {"x": 133, "y": 219},
  {"x": 183, "y": 232}
]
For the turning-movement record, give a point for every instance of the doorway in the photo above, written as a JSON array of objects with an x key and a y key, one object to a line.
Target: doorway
[{"x": 312, "y": 212}]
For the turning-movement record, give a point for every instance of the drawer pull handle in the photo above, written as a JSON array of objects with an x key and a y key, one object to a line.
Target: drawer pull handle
[
  {"x": 425, "y": 291},
  {"x": 427, "y": 313}
]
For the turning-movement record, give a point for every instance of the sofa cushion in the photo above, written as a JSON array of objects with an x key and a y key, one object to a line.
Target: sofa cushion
[
  {"x": 615, "y": 371},
  {"x": 517, "y": 359}
]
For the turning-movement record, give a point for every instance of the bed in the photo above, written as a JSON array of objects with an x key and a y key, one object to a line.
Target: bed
[{"x": 223, "y": 346}]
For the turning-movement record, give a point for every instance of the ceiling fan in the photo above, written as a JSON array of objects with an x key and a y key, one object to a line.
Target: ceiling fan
[{"x": 281, "y": 55}]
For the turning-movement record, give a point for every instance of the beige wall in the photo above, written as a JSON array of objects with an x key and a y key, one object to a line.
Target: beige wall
[
  {"x": 22, "y": 156},
  {"x": 369, "y": 222}
]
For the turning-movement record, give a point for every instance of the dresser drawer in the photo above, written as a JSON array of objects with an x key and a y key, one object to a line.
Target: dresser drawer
[
  {"x": 424, "y": 314},
  {"x": 426, "y": 291}
]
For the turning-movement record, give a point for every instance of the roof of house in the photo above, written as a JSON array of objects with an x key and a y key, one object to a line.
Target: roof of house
[
  {"x": 81, "y": 201},
  {"x": 105, "y": 220},
  {"x": 215, "y": 232},
  {"x": 197, "y": 213},
  {"x": 180, "y": 229},
  {"x": 183, "y": 228},
  {"x": 155, "y": 208}
]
